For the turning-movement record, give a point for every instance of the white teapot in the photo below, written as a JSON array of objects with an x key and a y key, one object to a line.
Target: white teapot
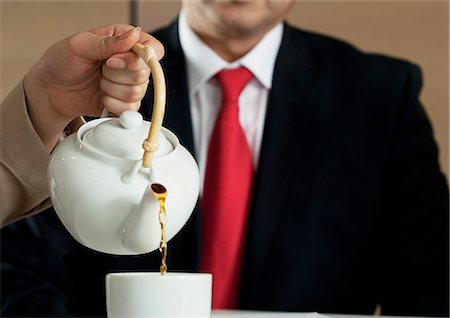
[{"x": 100, "y": 178}]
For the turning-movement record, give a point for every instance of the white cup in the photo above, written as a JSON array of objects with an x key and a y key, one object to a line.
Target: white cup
[{"x": 150, "y": 294}]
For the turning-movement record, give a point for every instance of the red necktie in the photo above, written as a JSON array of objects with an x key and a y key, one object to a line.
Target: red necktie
[{"x": 226, "y": 193}]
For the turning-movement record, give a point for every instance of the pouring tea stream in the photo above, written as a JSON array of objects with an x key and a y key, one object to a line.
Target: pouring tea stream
[{"x": 100, "y": 177}]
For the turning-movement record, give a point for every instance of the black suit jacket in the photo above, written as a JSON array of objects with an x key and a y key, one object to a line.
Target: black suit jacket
[{"x": 349, "y": 207}]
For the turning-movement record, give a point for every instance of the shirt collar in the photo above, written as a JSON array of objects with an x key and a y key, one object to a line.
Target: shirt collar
[{"x": 203, "y": 63}]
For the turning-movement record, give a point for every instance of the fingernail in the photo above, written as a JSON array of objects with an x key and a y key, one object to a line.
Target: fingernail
[{"x": 127, "y": 34}]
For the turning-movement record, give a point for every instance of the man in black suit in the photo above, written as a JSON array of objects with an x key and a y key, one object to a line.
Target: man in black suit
[{"x": 349, "y": 208}]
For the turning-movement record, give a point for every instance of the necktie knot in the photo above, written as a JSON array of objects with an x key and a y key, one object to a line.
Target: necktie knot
[{"x": 233, "y": 82}]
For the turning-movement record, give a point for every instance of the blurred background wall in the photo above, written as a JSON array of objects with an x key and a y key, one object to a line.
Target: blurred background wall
[{"x": 417, "y": 31}]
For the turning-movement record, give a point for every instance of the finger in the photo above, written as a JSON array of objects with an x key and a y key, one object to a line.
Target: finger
[
  {"x": 126, "y": 68},
  {"x": 145, "y": 39},
  {"x": 118, "y": 106},
  {"x": 125, "y": 76},
  {"x": 127, "y": 93},
  {"x": 130, "y": 60},
  {"x": 98, "y": 47},
  {"x": 95, "y": 45}
]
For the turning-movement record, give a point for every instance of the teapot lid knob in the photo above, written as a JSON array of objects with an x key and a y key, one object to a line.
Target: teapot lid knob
[{"x": 131, "y": 119}]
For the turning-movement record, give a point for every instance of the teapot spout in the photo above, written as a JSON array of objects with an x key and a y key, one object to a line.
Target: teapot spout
[{"x": 141, "y": 230}]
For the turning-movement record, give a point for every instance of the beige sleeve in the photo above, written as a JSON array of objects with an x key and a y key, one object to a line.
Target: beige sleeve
[{"x": 23, "y": 161}]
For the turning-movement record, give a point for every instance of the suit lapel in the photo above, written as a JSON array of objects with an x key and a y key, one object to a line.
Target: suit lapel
[
  {"x": 286, "y": 119},
  {"x": 178, "y": 116}
]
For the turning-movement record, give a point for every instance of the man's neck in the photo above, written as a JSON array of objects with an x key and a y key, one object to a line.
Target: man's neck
[{"x": 230, "y": 49}]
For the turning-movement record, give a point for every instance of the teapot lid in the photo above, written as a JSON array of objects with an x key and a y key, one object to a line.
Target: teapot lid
[{"x": 123, "y": 137}]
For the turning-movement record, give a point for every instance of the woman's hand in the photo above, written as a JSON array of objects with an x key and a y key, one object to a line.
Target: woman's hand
[{"x": 84, "y": 74}]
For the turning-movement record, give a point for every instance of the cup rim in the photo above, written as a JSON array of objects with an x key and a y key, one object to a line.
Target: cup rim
[{"x": 152, "y": 274}]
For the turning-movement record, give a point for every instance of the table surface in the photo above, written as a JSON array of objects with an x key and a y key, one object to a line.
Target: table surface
[
  {"x": 248, "y": 314},
  {"x": 265, "y": 314}
]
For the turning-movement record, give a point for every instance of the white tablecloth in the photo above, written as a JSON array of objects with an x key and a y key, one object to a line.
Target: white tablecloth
[{"x": 264, "y": 314}]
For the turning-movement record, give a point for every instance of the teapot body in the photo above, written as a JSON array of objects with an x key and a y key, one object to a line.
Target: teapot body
[{"x": 94, "y": 193}]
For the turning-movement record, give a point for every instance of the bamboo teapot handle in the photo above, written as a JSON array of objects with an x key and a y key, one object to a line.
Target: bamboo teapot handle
[{"x": 150, "y": 144}]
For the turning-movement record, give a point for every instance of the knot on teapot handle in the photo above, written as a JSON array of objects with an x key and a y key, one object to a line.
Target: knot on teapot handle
[{"x": 150, "y": 144}]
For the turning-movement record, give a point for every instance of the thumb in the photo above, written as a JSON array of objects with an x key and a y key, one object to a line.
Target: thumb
[{"x": 99, "y": 47}]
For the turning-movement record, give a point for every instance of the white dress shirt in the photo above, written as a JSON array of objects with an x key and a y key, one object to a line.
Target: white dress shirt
[{"x": 205, "y": 94}]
